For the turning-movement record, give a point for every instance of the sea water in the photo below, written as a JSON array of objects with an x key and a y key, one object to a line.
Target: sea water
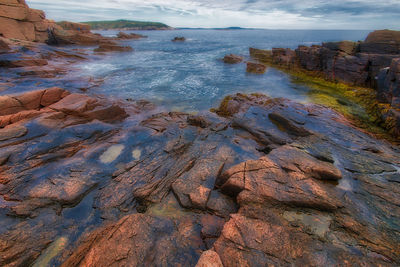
[{"x": 190, "y": 75}]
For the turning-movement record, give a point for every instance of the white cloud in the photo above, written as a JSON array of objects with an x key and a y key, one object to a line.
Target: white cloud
[{"x": 275, "y": 14}]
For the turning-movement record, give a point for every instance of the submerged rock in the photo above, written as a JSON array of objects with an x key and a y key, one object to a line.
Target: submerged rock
[
  {"x": 113, "y": 48},
  {"x": 179, "y": 39},
  {"x": 233, "y": 59}
]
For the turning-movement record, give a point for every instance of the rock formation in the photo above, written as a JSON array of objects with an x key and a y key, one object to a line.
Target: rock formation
[
  {"x": 179, "y": 39},
  {"x": 113, "y": 48},
  {"x": 123, "y": 35},
  {"x": 274, "y": 182},
  {"x": 256, "y": 68},
  {"x": 18, "y": 21},
  {"x": 232, "y": 59},
  {"x": 372, "y": 63}
]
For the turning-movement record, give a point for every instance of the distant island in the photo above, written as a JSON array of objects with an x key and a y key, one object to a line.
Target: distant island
[{"x": 127, "y": 25}]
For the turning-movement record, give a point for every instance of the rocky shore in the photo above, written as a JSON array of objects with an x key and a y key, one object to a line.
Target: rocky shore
[
  {"x": 92, "y": 182},
  {"x": 373, "y": 63},
  {"x": 87, "y": 180}
]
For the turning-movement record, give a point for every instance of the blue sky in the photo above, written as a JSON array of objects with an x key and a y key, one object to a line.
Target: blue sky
[{"x": 272, "y": 14}]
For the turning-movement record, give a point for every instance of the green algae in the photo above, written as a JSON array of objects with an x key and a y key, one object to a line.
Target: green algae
[
  {"x": 358, "y": 104},
  {"x": 222, "y": 110},
  {"x": 168, "y": 208},
  {"x": 51, "y": 252},
  {"x": 316, "y": 224}
]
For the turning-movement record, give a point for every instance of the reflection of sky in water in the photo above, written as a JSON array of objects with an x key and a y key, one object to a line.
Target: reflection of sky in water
[{"x": 190, "y": 75}]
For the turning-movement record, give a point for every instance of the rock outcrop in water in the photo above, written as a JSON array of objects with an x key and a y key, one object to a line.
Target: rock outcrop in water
[
  {"x": 179, "y": 39},
  {"x": 272, "y": 182},
  {"x": 257, "y": 68},
  {"x": 127, "y": 36},
  {"x": 113, "y": 48},
  {"x": 372, "y": 63},
  {"x": 232, "y": 59}
]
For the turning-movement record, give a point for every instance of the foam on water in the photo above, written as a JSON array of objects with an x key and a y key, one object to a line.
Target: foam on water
[{"x": 191, "y": 75}]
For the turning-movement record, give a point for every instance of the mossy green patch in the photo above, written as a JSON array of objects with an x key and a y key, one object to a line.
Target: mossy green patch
[
  {"x": 358, "y": 104},
  {"x": 222, "y": 110}
]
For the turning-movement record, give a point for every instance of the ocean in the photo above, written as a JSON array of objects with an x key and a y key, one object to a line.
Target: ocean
[{"x": 190, "y": 76}]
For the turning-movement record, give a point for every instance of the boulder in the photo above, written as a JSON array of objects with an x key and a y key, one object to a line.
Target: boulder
[
  {"x": 89, "y": 108},
  {"x": 382, "y": 42},
  {"x": 233, "y": 59},
  {"x": 209, "y": 258},
  {"x": 347, "y": 47},
  {"x": 113, "y": 48},
  {"x": 383, "y": 36},
  {"x": 179, "y": 39},
  {"x": 257, "y": 68},
  {"x": 36, "y": 15}
]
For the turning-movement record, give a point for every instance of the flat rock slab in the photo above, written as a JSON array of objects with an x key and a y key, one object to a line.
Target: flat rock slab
[
  {"x": 12, "y": 132},
  {"x": 86, "y": 182}
]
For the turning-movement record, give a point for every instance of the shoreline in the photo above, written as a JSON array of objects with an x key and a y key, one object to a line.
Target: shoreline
[{"x": 91, "y": 180}]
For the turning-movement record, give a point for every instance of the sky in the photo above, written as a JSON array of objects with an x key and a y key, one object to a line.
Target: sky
[{"x": 267, "y": 14}]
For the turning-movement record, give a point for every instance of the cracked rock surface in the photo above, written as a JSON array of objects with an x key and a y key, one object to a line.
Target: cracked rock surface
[{"x": 88, "y": 181}]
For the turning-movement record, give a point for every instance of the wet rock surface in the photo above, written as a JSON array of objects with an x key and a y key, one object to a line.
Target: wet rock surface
[
  {"x": 257, "y": 68},
  {"x": 373, "y": 63},
  {"x": 113, "y": 48},
  {"x": 232, "y": 59},
  {"x": 272, "y": 182}
]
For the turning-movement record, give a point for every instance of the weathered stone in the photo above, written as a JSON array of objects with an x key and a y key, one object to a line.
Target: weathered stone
[
  {"x": 12, "y": 132},
  {"x": 140, "y": 239},
  {"x": 9, "y": 105},
  {"x": 347, "y": 47},
  {"x": 17, "y": 12},
  {"x": 209, "y": 258},
  {"x": 256, "y": 68},
  {"x": 52, "y": 95},
  {"x": 35, "y": 15}
]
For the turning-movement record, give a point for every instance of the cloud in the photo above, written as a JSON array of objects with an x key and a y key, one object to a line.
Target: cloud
[{"x": 275, "y": 14}]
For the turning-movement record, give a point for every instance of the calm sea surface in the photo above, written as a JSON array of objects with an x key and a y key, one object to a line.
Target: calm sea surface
[{"x": 190, "y": 76}]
